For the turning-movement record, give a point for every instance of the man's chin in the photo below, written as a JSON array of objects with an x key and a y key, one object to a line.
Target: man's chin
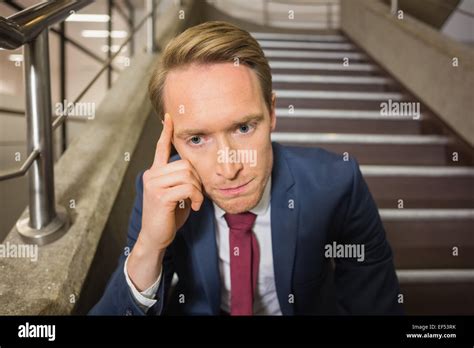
[{"x": 237, "y": 205}]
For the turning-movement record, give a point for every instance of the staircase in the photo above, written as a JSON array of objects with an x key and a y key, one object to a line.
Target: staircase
[{"x": 418, "y": 171}]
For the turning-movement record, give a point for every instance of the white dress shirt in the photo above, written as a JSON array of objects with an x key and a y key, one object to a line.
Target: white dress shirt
[{"x": 266, "y": 300}]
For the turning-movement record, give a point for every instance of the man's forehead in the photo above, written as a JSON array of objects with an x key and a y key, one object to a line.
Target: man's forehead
[{"x": 199, "y": 89}]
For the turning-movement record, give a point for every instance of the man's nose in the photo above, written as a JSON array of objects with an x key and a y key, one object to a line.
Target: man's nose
[{"x": 228, "y": 164}]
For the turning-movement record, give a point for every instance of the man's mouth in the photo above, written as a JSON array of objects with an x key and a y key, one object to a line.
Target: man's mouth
[{"x": 234, "y": 190}]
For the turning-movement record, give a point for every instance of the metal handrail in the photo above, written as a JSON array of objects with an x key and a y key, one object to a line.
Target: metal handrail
[
  {"x": 24, "y": 26},
  {"x": 29, "y": 28},
  {"x": 24, "y": 167},
  {"x": 66, "y": 38},
  {"x": 60, "y": 120}
]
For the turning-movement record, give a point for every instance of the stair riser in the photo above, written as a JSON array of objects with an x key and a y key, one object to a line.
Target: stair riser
[
  {"x": 324, "y": 59},
  {"x": 418, "y": 192},
  {"x": 386, "y": 154},
  {"x": 311, "y": 103},
  {"x": 328, "y": 125},
  {"x": 336, "y": 87},
  {"x": 438, "y": 298},
  {"x": 429, "y": 243},
  {"x": 325, "y": 72}
]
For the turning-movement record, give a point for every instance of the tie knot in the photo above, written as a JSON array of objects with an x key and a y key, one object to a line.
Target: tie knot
[{"x": 242, "y": 221}]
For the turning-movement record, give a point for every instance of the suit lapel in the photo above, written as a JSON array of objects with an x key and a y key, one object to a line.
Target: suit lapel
[
  {"x": 284, "y": 224},
  {"x": 205, "y": 253}
]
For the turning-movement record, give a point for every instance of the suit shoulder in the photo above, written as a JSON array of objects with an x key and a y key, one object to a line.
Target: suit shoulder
[{"x": 317, "y": 165}]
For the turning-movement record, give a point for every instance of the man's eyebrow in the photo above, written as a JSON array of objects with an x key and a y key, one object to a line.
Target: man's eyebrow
[
  {"x": 195, "y": 131},
  {"x": 247, "y": 119}
]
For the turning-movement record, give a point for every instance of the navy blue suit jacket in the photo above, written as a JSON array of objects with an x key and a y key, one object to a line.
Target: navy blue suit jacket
[{"x": 316, "y": 198}]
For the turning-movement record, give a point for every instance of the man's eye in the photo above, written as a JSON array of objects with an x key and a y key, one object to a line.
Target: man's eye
[
  {"x": 244, "y": 128},
  {"x": 195, "y": 140}
]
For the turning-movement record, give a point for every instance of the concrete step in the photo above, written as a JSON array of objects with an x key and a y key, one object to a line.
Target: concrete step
[
  {"x": 280, "y": 66},
  {"x": 375, "y": 148},
  {"x": 333, "y": 83},
  {"x": 310, "y": 46},
  {"x": 298, "y": 37},
  {"x": 348, "y": 125},
  {"x": 335, "y": 60},
  {"x": 420, "y": 186},
  {"x": 345, "y": 114},
  {"x": 336, "y": 79},
  {"x": 336, "y": 87},
  {"x": 421, "y": 198},
  {"x": 301, "y": 55},
  {"x": 437, "y": 291},
  {"x": 358, "y": 100},
  {"x": 425, "y": 238},
  {"x": 351, "y": 121}
]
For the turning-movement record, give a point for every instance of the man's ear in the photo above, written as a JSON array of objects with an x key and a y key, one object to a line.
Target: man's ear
[{"x": 273, "y": 112}]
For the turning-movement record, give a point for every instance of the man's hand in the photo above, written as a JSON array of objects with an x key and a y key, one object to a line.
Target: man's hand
[{"x": 170, "y": 190}]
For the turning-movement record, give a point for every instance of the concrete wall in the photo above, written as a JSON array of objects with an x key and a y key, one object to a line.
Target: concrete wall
[
  {"x": 95, "y": 173},
  {"x": 419, "y": 57},
  {"x": 459, "y": 26},
  {"x": 114, "y": 236},
  {"x": 432, "y": 12}
]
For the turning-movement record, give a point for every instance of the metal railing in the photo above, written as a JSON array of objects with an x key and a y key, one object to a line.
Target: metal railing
[{"x": 29, "y": 28}]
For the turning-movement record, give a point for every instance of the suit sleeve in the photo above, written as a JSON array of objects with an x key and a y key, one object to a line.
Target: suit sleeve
[
  {"x": 118, "y": 298},
  {"x": 368, "y": 287}
]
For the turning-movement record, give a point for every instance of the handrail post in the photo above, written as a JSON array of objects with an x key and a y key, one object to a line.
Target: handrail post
[
  {"x": 62, "y": 80},
  {"x": 151, "y": 26},
  {"x": 131, "y": 26},
  {"x": 44, "y": 223},
  {"x": 109, "y": 43},
  {"x": 394, "y": 7}
]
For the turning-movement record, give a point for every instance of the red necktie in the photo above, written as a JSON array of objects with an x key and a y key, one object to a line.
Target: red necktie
[{"x": 244, "y": 261}]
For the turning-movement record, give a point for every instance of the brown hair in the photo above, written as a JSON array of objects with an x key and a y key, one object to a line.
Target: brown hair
[{"x": 207, "y": 43}]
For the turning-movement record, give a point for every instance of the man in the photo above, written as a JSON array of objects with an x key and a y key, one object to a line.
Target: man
[{"x": 248, "y": 226}]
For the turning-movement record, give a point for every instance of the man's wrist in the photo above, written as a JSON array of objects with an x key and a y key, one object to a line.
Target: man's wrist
[
  {"x": 146, "y": 298},
  {"x": 144, "y": 264},
  {"x": 149, "y": 245}
]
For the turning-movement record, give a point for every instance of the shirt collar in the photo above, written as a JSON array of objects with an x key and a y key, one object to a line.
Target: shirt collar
[{"x": 259, "y": 209}]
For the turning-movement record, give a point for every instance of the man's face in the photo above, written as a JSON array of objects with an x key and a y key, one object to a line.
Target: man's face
[{"x": 222, "y": 126}]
